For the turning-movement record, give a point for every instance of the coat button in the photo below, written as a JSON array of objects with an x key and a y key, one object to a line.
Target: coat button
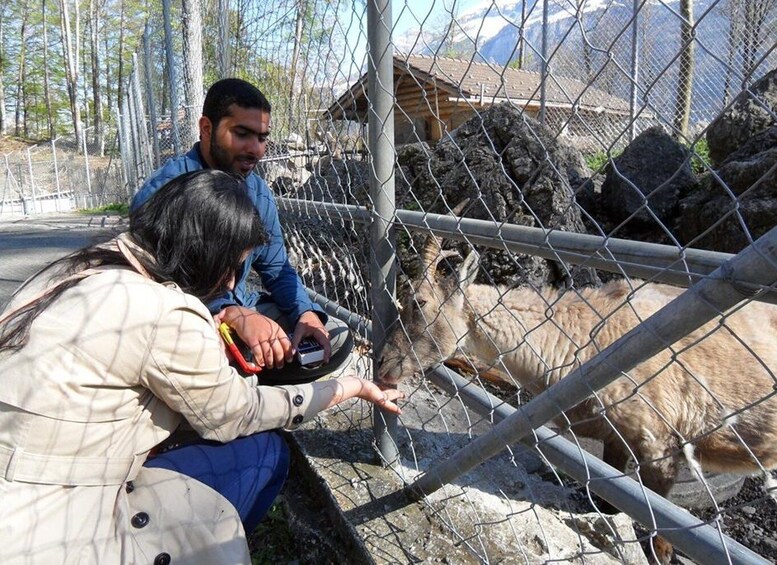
[
  {"x": 140, "y": 520},
  {"x": 297, "y": 419},
  {"x": 298, "y": 400},
  {"x": 130, "y": 486},
  {"x": 162, "y": 559}
]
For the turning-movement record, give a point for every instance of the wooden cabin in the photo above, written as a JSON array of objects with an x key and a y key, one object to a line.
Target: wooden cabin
[{"x": 435, "y": 95}]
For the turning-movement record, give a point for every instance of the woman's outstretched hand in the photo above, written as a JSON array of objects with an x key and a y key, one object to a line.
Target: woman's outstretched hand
[{"x": 354, "y": 387}]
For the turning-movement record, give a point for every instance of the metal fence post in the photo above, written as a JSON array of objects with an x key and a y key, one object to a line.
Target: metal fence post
[
  {"x": 129, "y": 153},
  {"x": 383, "y": 259},
  {"x": 147, "y": 159},
  {"x": 4, "y": 196},
  {"x": 122, "y": 134},
  {"x": 137, "y": 152},
  {"x": 86, "y": 162},
  {"x": 32, "y": 180},
  {"x": 56, "y": 172}
]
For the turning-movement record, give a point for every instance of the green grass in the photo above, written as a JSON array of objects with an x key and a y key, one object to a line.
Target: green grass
[
  {"x": 597, "y": 161},
  {"x": 272, "y": 541},
  {"x": 700, "y": 157},
  {"x": 121, "y": 208}
]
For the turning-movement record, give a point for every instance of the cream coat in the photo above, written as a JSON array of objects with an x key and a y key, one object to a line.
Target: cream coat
[{"x": 110, "y": 370}]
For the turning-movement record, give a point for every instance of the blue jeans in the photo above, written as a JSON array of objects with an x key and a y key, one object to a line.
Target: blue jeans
[{"x": 248, "y": 471}]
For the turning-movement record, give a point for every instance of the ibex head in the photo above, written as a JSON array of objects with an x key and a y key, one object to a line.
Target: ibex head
[{"x": 433, "y": 318}]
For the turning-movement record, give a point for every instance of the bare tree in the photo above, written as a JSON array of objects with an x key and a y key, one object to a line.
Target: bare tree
[
  {"x": 71, "y": 56},
  {"x": 50, "y": 119},
  {"x": 20, "y": 125},
  {"x": 84, "y": 73},
  {"x": 120, "y": 77},
  {"x": 682, "y": 113},
  {"x": 302, "y": 7},
  {"x": 3, "y": 62},
  {"x": 224, "y": 61},
  {"x": 192, "y": 56},
  {"x": 95, "y": 11},
  {"x": 755, "y": 15}
]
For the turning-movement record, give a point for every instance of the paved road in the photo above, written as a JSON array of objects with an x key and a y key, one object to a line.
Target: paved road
[{"x": 28, "y": 244}]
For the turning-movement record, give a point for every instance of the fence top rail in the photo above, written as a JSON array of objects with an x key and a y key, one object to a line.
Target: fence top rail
[{"x": 653, "y": 261}]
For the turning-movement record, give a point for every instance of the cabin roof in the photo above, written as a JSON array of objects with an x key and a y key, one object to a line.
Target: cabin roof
[{"x": 481, "y": 84}]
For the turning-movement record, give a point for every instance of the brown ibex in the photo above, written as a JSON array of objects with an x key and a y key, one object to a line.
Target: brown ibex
[{"x": 709, "y": 398}]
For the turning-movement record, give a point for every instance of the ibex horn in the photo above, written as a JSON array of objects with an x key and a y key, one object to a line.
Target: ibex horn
[
  {"x": 460, "y": 207},
  {"x": 432, "y": 252}
]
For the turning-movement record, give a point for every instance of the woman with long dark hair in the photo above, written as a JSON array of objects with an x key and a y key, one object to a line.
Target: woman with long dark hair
[{"x": 109, "y": 351}]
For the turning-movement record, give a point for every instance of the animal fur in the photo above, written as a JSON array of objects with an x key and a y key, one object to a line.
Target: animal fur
[{"x": 707, "y": 397}]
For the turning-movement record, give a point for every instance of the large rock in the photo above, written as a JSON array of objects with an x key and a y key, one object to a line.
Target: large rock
[
  {"x": 338, "y": 180},
  {"x": 742, "y": 190},
  {"x": 512, "y": 169},
  {"x": 655, "y": 170},
  {"x": 750, "y": 170},
  {"x": 751, "y": 113}
]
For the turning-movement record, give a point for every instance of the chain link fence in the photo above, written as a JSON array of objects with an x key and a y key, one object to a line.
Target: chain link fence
[
  {"x": 580, "y": 164},
  {"x": 61, "y": 175}
]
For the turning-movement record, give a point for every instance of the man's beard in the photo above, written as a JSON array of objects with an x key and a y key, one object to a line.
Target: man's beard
[{"x": 222, "y": 159}]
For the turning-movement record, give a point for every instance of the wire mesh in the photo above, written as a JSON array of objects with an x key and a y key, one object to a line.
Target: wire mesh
[{"x": 615, "y": 121}]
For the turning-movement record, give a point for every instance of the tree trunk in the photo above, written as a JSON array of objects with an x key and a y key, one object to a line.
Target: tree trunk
[
  {"x": 3, "y": 115},
  {"x": 47, "y": 79},
  {"x": 732, "y": 46},
  {"x": 685, "y": 74},
  {"x": 20, "y": 125},
  {"x": 99, "y": 134},
  {"x": 192, "y": 72},
  {"x": 298, "y": 26},
  {"x": 108, "y": 75},
  {"x": 223, "y": 48},
  {"x": 522, "y": 39},
  {"x": 84, "y": 74},
  {"x": 120, "y": 78},
  {"x": 70, "y": 53},
  {"x": 756, "y": 12}
]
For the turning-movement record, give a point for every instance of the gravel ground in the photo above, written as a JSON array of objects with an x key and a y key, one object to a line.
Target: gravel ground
[{"x": 750, "y": 518}]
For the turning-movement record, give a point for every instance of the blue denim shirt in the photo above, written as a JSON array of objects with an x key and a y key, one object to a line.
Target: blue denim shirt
[{"x": 279, "y": 278}]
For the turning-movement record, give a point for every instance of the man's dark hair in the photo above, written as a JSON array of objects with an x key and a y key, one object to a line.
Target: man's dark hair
[
  {"x": 195, "y": 230},
  {"x": 225, "y": 92}
]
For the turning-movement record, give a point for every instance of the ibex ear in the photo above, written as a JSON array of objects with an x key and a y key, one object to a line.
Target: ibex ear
[{"x": 468, "y": 270}]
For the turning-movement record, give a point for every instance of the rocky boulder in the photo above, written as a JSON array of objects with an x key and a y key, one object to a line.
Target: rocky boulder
[
  {"x": 338, "y": 180},
  {"x": 751, "y": 113},
  {"x": 654, "y": 172},
  {"x": 742, "y": 190},
  {"x": 512, "y": 169}
]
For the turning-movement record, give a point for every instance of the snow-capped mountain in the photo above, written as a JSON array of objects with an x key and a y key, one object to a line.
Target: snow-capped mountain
[{"x": 592, "y": 40}]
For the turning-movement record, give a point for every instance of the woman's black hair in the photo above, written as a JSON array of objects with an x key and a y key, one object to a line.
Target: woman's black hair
[
  {"x": 195, "y": 229},
  {"x": 198, "y": 227}
]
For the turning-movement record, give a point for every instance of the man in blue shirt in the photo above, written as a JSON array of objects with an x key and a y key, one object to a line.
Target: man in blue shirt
[{"x": 234, "y": 128}]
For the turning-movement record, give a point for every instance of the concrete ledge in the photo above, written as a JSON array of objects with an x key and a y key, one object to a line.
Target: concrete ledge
[{"x": 499, "y": 512}]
